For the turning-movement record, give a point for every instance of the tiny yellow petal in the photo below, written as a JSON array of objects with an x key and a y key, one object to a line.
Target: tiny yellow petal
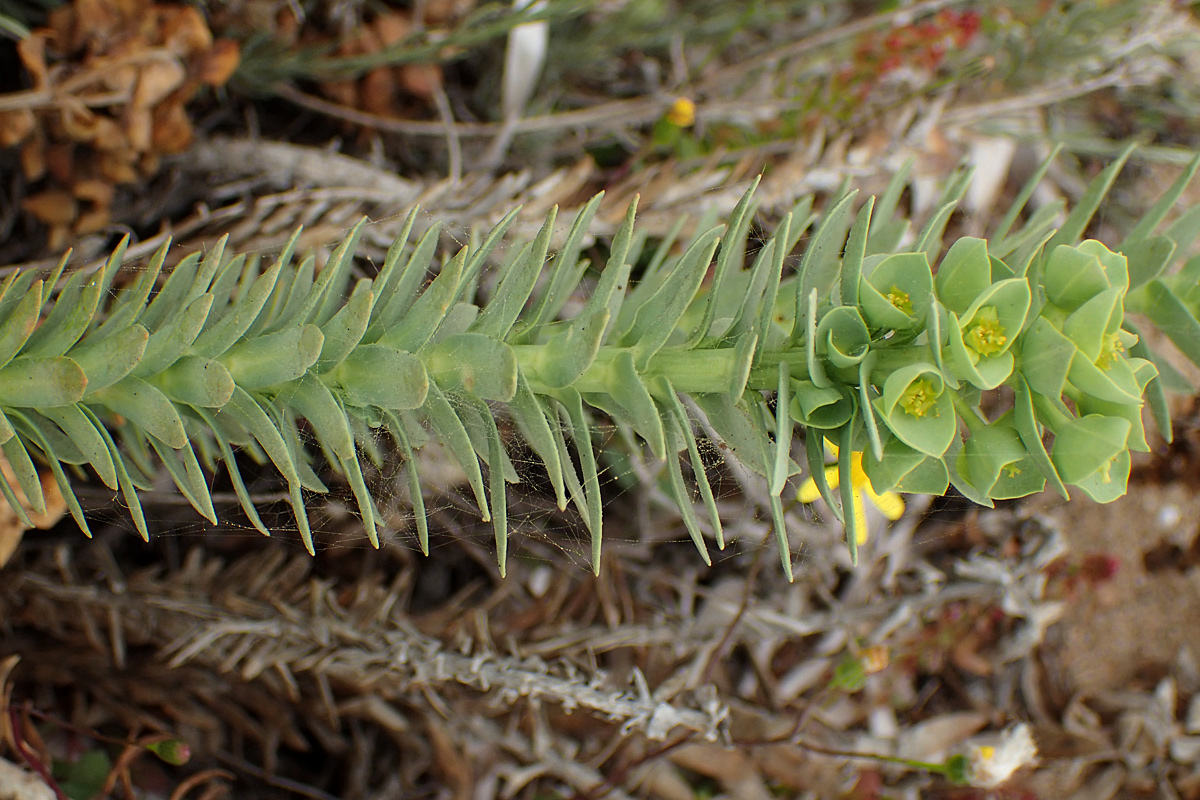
[
  {"x": 890, "y": 503},
  {"x": 833, "y": 477},
  {"x": 860, "y": 518},
  {"x": 682, "y": 112},
  {"x": 808, "y": 491}
]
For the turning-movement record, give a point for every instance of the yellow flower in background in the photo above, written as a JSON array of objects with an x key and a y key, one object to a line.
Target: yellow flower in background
[
  {"x": 890, "y": 503},
  {"x": 682, "y": 113}
]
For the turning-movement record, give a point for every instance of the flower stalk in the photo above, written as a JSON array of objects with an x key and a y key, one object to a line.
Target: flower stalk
[{"x": 865, "y": 344}]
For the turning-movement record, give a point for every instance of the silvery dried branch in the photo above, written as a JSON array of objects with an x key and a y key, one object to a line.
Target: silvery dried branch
[{"x": 863, "y": 346}]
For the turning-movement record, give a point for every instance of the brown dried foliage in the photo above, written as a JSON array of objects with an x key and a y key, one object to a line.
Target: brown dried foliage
[
  {"x": 384, "y": 90},
  {"x": 110, "y": 83}
]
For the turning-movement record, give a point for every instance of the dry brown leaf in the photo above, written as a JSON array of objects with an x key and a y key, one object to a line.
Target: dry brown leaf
[
  {"x": 11, "y": 528},
  {"x": 110, "y": 136},
  {"x": 183, "y": 30},
  {"x": 60, "y": 162},
  {"x": 15, "y": 126},
  {"x": 52, "y": 206},
  {"x": 217, "y": 66},
  {"x": 79, "y": 123},
  {"x": 139, "y": 127},
  {"x": 33, "y": 158},
  {"x": 58, "y": 238},
  {"x": 378, "y": 91},
  {"x": 455, "y": 769},
  {"x": 172, "y": 128},
  {"x": 734, "y": 769},
  {"x": 392, "y": 28},
  {"x": 118, "y": 165},
  {"x": 94, "y": 191},
  {"x": 421, "y": 80},
  {"x": 147, "y": 59},
  {"x": 32, "y": 50},
  {"x": 439, "y": 12},
  {"x": 156, "y": 81},
  {"x": 92, "y": 221}
]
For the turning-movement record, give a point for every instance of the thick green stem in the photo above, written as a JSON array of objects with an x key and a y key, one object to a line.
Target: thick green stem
[{"x": 690, "y": 371}]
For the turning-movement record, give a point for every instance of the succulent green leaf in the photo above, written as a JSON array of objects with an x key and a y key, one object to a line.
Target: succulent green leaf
[
  {"x": 502, "y": 311},
  {"x": 496, "y": 488},
  {"x": 629, "y": 397},
  {"x": 45, "y": 440},
  {"x": 565, "y": 274},
  {"x": 329, "y": 282},
  {"x": 530, "y": 417},
  {"x": 700, "y": 473},
  {"x": 1046, "y": 357},
  {"x": 1156, "y": 395},
  {"x": 856, "y": 251},
  {"x": 1158, "y": 212},
  {"x": 729, "y": 262},
  {"x": 1088, "y": 446},
  {"x": 185, "y": 472},
  {"x": 422, "y": 320},
  {"x": 734, "y": 424},
  {"x": 475, "y": 364},
  {"x": 655, "y": 320},
  {"x": 903, "y": 469},
  {"x": 398, "y": 290},
  {"x": 847, "y": 490},
  {"x": 378, "y": 375},
  {"x": 144, "y": 406},
  {"x": 38, "y": 382},
  {"x": 72, "y": 313},
  {"x": 1072, "y": 230},
  {"x": 886, "y": 231},
  {"x": 1183, "y": 231},
  {"x": 83, "y": 434},
  {"x": 1000, "y": 234},
  {"x": 1073, "y": 276},
  {"x": 275, "y": 357},
  {"x": 25, "y": 472},
  {"x": 346, "y": 328},
  {"x": 844, "y": 336},
  {"x": 814, "y": 451},
  {"x": 581, "y": 435},
  {"x": 818, "y": 267},
  {"x": 172, "y": 340},
  {"x": 894, "y": 290},
  {"x": 109, "y": 359},
  {"x": 964, "y": 274},
  {"x": 449, "y": 428},
  {"x": 929, "y": 241},
  {"x": 17, "y": 325},
  {"x": 1173, "y": 318},
  {"x": 1148, "y": 259},
  {"x": 400, "y": 434},
  {"x": 196, "y": 381},
  {"x": 217, "y": 338},
  {"x": 679, "y": 491},
  {"x": 826, "y": 408},
  {"x": 1030, "y": 431},
  {"x": 131, "y": 302}
]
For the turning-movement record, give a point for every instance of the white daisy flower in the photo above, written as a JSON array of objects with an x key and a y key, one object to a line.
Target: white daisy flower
[{"x": 991, "y": 763}]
